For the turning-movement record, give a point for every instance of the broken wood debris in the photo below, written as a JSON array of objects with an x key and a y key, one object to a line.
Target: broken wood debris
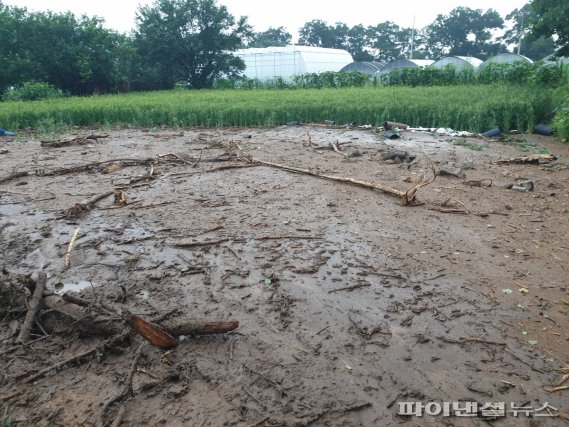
[
  {"x": 463, "y": 340},
  {"x": 534, "y": 160},
  {"x": 24, "y": 334},
  {"x": 85, "y": 206},
  {"x": 407, "y": 197},
  {"x": 79, "y": 358},
  {"x": 350, "y": 288},
  {"x": 70, "y": 248}
]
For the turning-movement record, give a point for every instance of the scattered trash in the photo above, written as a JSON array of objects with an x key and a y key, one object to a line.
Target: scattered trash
[
  {"x": 395, "y": 125},
  {"x": 4, "y": 132},
  {"x": 3, "y": 151},
  {"x": 492, "y": 133},
  {"x": 329, "y": 122},
  {"x": 442, "y": 131},
  {"x": 532, "y": 342},
  {"x": 391, "y": 135},
  {"x": 294, "y": 123},
  {"x": 543, "y": 129},
  {"x": 523, "y": 290},
  {"x": 523, "y": 186},
  {"x": 268, "y": 282},
  {"x": 524, "y": 333},
  {"x": 507, "y": 291}
]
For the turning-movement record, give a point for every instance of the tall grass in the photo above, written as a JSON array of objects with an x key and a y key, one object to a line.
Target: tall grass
[{"x": 474, "y": 108}]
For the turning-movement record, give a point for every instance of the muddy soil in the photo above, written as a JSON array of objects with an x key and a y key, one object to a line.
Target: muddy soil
[{"x": 349, "y": 303}]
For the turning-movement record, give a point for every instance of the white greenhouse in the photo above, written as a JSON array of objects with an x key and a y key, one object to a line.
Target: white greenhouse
[
  {"x": 268, "y": 63},
  {"x": 505, "y": 58},
  {"x": 459, "y": 62},
  {"x": 400, "y": 64}
]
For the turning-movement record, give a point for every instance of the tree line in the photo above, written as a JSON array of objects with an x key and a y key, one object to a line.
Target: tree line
[{"x": 192, "y": 41}]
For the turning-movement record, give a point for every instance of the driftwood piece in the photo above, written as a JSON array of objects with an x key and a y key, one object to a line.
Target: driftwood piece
[
  {"x": 153, "y": 333},
  {"x": 34, "y": 305},
  {"x": 407, "y": 197},
  {"x": 534, "y": 160},
  {"x": 201, "y": 328}
]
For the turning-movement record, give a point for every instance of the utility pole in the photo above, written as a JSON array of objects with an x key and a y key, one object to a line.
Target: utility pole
[
  {"x": 521, "y": 33},
  {"x": 412, "y": 39}
]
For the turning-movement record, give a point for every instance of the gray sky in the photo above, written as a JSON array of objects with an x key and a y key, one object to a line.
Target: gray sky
[{"x": 291, "y": 14}]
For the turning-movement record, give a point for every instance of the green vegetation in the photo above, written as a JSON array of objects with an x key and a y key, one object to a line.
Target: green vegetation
[
  {"x": 33, "y": 91},
  {"x": 473, "y": 108},
  {"x": 521, "y": 143},
  {"x": 470, "y": 145},
  {"x": 561, "y": 123},
  {"x": 521, "y": 72}
]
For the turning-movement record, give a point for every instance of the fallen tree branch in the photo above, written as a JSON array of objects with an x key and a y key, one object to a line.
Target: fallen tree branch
[
  {"x": 109, "y": 343},
  {"x": 407, "y": 197},
  {"x": 85, "y": 205},
  {"x": 34, "y": 305}
]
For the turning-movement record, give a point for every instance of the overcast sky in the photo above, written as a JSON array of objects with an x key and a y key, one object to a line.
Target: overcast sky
[{"x": 291, "y": 14}]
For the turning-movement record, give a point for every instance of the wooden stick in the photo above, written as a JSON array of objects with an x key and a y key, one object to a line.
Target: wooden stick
[
  {"x": 34, "y": 305},
  {"x": 350, "y": 288},
  {"x": 231, "y": 166},
  {"x": 70, "y": 248},
  {"x": 13, "y": 176},
  {"x": 337, "y": 149},
  {"x": 87, "y": 204}
]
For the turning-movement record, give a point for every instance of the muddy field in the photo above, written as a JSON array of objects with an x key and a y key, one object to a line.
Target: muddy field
[{"x": 349, "y": 303}]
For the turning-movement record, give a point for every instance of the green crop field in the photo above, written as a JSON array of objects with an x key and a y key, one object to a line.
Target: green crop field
[{"x": 474, "y": 108}]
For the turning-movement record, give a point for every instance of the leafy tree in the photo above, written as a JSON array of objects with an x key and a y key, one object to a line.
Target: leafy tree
[
  {"x": 271, "y": 37},
  {"x": 466, "y": 32},
  {"x": 553, "y": 18},
  {"x": 318, "y": 33},
  {"x": 358, "y": 43},
  {"x": 190, "y": 41},
  {"x": 79, "y": 56},
  {"x": 519, "y": 35},
  {"x": 389, "y": 41}
]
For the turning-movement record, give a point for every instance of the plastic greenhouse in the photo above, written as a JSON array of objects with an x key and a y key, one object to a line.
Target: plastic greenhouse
[
  {"x": 459, "y": 62},
  {"x": 268, "y": 63},
  {"x": 364, "y": 67},
  {"x": 405, "y": 63},
  {"x": 505, "y": 58}
]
